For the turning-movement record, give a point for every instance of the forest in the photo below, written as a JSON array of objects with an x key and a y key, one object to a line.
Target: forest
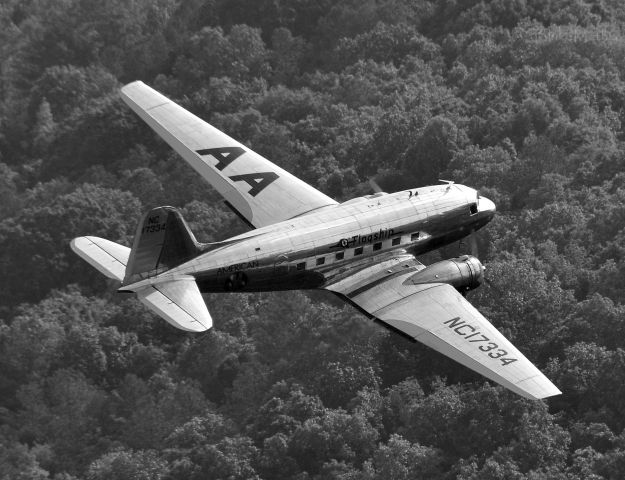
[{"x": 521, "y": 99}]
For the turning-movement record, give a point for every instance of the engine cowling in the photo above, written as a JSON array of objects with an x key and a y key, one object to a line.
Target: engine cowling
[{"x": 463, "y": 273}]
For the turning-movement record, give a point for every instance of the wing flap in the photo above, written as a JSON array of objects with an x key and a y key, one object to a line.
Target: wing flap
[
  {"x": 439, "y": 317},
  {"x": 179, "y": 302},
  {"x": 258, "y": 190}
]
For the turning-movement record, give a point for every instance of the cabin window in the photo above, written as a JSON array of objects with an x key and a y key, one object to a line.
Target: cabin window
[
  {"x": 473, "y": 208},
  {"x": 396, "y": 241},
  {"x": 358, "y": 251},
  {"x": 377, "y": 246},
  {"x": 414, "y": 237},
  {"x": 340, "y": 255},
  {"x": 301, "y": 266},
  {"x": 321, "y": 260}
]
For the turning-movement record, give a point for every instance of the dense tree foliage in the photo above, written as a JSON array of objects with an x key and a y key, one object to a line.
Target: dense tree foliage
[{"x": 523, "y": 99}]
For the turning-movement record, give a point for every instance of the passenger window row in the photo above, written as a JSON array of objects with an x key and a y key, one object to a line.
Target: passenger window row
[{"x": 357, "y": 251}]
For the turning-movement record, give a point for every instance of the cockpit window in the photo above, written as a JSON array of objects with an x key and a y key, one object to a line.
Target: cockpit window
[{"x": 473, "y": 208}]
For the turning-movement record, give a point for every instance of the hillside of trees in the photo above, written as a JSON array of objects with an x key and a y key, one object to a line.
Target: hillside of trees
[{"x": 522, "y": 99}]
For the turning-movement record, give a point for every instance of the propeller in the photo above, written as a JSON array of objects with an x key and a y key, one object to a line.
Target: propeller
[
  {"x": 471, "y": 240},
  {"x": 473, "y": 243},
  {"x": 470, "y": 243},
  {"x": 374, "y": 186}
]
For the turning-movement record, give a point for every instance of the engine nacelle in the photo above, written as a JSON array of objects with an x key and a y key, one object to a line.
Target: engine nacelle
[{"x": 463, "y": 273}]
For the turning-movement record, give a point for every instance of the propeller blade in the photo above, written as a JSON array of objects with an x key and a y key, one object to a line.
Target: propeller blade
[
  {"x": 374, "y": 185},
  {"x": 473, "y": 244},
  {"x": 468, "y": 243}
]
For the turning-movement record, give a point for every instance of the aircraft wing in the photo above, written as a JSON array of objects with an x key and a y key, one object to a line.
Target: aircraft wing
[
  {"x": 259, "y": 191},
  {"x": 438, "y": 316}
]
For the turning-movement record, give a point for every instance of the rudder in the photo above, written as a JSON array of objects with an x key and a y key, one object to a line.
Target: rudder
[{"x": 163, "y": 241}]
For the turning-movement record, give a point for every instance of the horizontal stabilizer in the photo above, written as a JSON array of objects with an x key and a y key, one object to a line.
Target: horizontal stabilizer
[
  {"x": 107, "y": 257},
  {"x": 179, "y": 302}
]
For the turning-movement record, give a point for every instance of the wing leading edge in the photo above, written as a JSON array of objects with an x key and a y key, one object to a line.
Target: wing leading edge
[
  {"x": 258, "y": 190},
  {"x": 438, "y": 316}
]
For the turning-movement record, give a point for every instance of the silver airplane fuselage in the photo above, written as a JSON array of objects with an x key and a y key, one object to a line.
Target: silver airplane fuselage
[{"x": 313, "y": 250}]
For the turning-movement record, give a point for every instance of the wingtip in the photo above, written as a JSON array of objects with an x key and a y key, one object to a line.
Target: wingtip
[
  {"x": 131, "y": 91},
  {"x": 540, "y": 392},
  {"x": 73, "y": 244},
  {"x": 552, "y": 393},
  {"x": 130, "y": 85}
]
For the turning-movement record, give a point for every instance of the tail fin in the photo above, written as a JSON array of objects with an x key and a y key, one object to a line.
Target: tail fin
[{"x": 163, "y": 241}]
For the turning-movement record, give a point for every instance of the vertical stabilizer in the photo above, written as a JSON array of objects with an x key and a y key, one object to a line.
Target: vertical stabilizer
[{"x": 163, "y": 241}]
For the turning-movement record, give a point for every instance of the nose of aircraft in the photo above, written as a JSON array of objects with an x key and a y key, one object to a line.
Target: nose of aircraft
[{"x": 486, "y": 207}]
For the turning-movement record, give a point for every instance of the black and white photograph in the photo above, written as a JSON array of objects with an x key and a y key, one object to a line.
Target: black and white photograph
[{"x": 312, "y": 240}]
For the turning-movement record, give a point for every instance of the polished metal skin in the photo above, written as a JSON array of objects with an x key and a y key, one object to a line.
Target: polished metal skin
[
  {"x": 312, "y": 251},
  {"x": 362, "y": 250}
]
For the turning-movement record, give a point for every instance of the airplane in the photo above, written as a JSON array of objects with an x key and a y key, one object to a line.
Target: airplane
[{"x": 364, "y": 250}]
